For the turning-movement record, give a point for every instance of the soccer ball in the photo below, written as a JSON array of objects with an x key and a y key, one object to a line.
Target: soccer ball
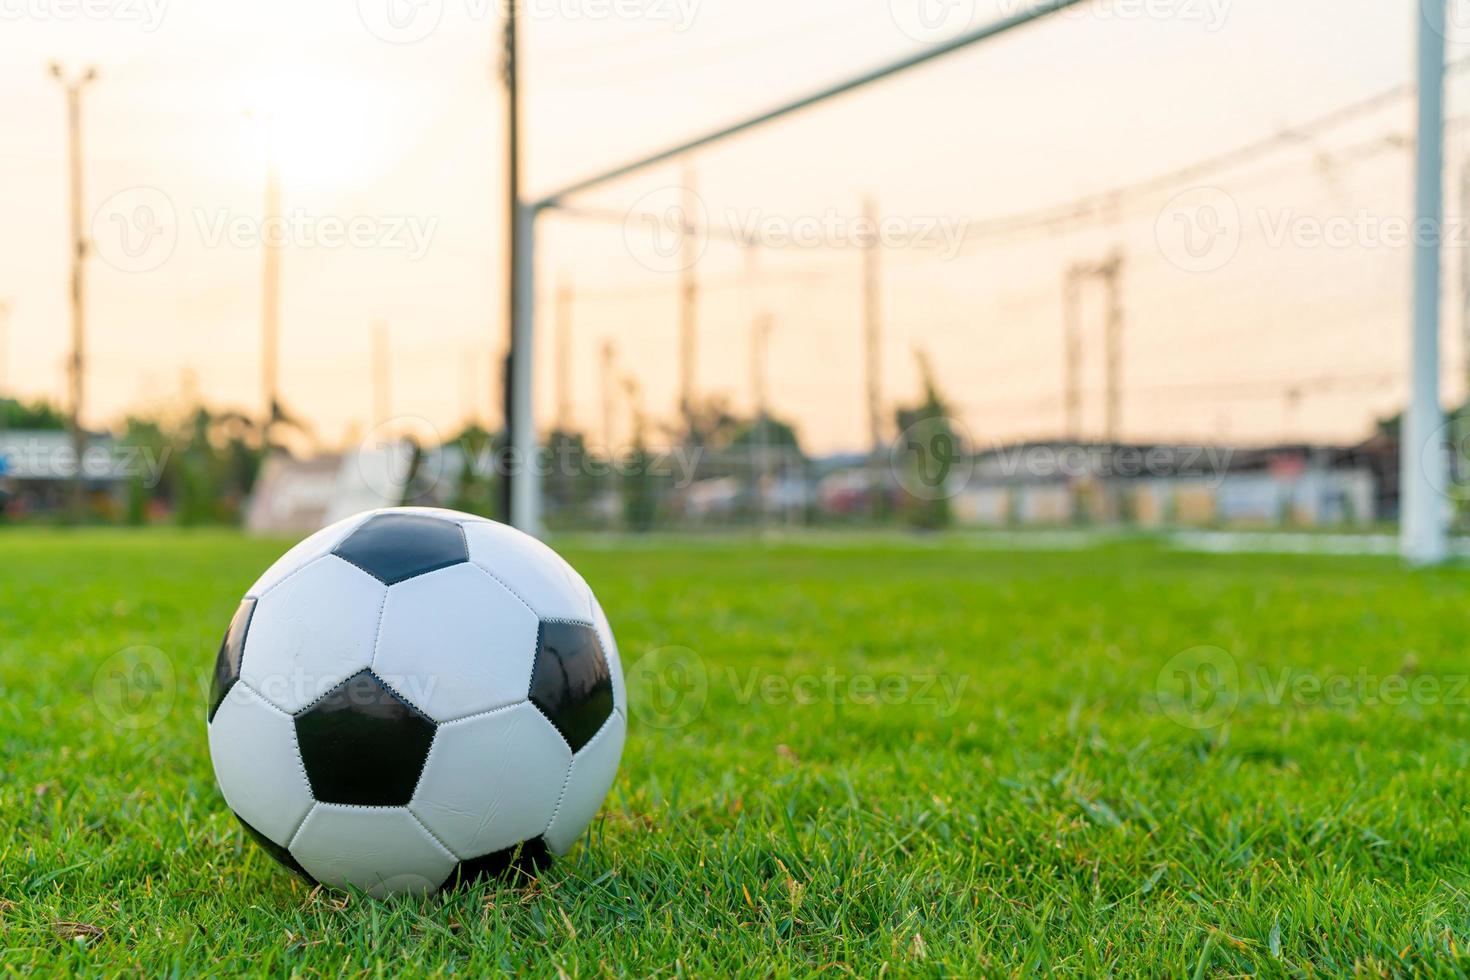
[{"x": 412, "y": 697}]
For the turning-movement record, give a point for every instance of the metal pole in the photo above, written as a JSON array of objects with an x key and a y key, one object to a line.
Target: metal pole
[
  {"x": 688, "y": 303},
  {"x": 1112, "y": 273},
  {"x": 609, "y": 395},
  {"x": 1423, "y": 479},
  {"x": 525, "y": 495},
  {"x": 564, "y": 356},
  {"x": 873, "y": 332},
  {"x": 1462, "y": 412},
  {"x": 515, "y": 300},
  {"x": 985, "y": 33},
  {"x": 382, "y": 375},
  {"x": 4, "y": 352},
  {"x": 78, "y": 246},
  {"x": 1072, "y": 354},
  {"x": 760, "y": 334},
  {"x": 270, "y": 291}
]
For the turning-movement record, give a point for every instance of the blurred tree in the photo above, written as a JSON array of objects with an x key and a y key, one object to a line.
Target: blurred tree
[
  {"x": 30, "y": 415},
  {"x": 206, "y": 465},
  {"x": 571, "y": 482},
  {"x": 476, "y": 483},
  {"x": 929, "y": 429},
  {"x": 768, "y": 431}
]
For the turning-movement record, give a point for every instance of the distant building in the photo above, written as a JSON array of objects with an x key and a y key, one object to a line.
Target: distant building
[
  {"x": 37, "y": 467},
  {"x": 1168, "y": 485},
  {"x": 293, "y": 496},
  {"x": 297, "y": 496}
]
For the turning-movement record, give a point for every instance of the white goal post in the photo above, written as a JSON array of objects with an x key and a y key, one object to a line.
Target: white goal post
[{"x": 1424, "y": 516}]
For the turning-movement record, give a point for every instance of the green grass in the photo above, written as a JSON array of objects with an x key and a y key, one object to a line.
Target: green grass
[{"x": 1059, "y": 805}]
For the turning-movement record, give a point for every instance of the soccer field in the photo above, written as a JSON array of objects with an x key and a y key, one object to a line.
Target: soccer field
[{"x": 926, "y": 757}]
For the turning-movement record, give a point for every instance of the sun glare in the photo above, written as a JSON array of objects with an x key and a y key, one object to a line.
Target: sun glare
[{"x": 321, "y": 130}]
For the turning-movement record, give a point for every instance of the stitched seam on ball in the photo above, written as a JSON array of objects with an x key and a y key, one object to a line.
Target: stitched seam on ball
[
  {"x": 505, "y": 585},
  {"x": 305, "y": 777},
  {"x": 359, "y": 567},
  {"x": 420, "y": 712},
  {"x": 591, "y": 599},
  {"x": 289, "y": 576},
  {"x": 300, "y": 763},
  {"x": 428, "y": 571},
  {"x": 303, "y": 567},
  {"x": 435, "y": 837},
  {"x": 535, "y": 666},
  {"x": 483, "y": 714},
  {"x": 297, "y": 832},
  {"x": 378, "y": 630},
  {"x": 566, "y": 783},
  {"x": 267, "y": 701},
  {"x": 327, "y": 693}
]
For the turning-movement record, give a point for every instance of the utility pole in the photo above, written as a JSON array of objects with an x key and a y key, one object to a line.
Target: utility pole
[
  {"x": 468, "y": 397},
  {"x": 1072, "y": 353},
  {"x": 760, "y": 335},
  {"x": 609, "y": 393},
  {"x": 564, "y": 356},
  {"x": 1109, "y": 272},
  {"x": 271, "y": 242},
  {"x": 873, "y": 331},
  {"x": 4, "y": 351},
  {"x": 635, "y": 407},
  {"x": 382, "y": 375},
  {"x": 73, "y": 88},
  {"x": 518, "y": 350},
  {"x": 1422, "y": 477},
  {"x": 688, "y": 301}
]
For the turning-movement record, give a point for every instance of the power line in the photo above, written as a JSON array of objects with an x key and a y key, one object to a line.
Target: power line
[{"x": 1099, "y": 203}]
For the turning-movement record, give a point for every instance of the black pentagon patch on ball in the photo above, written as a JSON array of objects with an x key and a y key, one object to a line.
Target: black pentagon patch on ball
[
  {"x": 227, "y": 661},
  {"x": 394, "y": 547},
  {"x": 277, "y": 851},
  {"x": 570, "y": 682},
  {"x": 363, "y": 745}
]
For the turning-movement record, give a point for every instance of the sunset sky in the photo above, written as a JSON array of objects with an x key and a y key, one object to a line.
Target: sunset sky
[{"x": 397, "y": 143}]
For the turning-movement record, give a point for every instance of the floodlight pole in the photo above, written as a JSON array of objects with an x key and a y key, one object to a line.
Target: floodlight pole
[
  {"x": 79, "y": 248},
  {"x": 525, "y": 505},
  {"x": 1423, "y": 477}
]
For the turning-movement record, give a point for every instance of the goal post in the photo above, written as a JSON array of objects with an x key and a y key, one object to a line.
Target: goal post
[
  {"x": 525, "y": 510},
  {"x": 1423, "y": 518},
  {"x": 1422, "y": 465}
]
